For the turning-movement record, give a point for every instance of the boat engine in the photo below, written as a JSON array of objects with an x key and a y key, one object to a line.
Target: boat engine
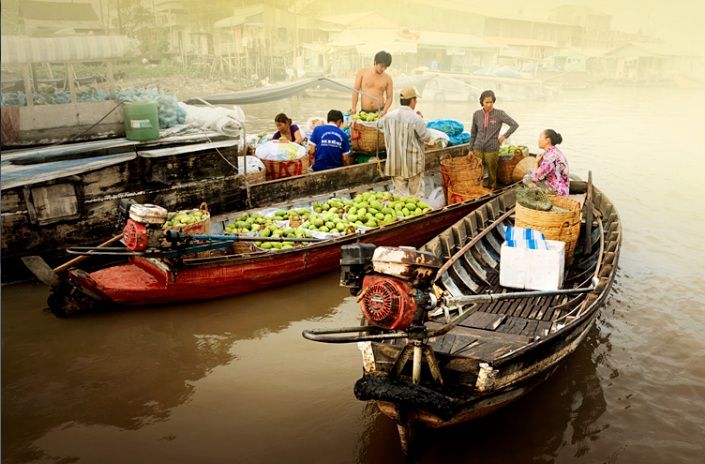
[
  {"x": 394, "y": 284},
  {"x": 144, "y": 227}
]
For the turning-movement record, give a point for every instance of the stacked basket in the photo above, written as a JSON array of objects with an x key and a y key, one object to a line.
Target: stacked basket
[
  {"x": 555, "y": 225},
  {"x": 366, "y": 137},
  {"x": 462, "y": 179}
]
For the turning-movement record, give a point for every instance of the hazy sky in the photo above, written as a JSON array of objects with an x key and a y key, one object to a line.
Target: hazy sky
[{"x": 678, "y": 21}]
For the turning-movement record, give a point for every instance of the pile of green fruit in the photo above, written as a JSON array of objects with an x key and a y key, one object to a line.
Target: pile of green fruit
[
  {"x": 329, "y": 222},
  {"x": 365, "y": 116},
  {"x": 262, "y": 226},
  {"x": 507, "y": 150},
  {"x": 335, "y": 216},
  {"x": 186, "y": 218},
  {"x": 384, "y": 208},
  {"x": 248, "y": 224}
]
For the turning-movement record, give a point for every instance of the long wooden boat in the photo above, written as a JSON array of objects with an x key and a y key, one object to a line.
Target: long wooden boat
[
  {"x": 70, "y": 200},
  {"x": 152, "y": 279},
  {"x": 444, "y": 369}
]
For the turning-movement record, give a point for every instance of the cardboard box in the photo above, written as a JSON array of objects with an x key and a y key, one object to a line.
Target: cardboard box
[{"x": 532, "y": 269}]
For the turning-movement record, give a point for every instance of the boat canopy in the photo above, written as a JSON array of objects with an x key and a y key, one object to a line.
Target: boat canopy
[
  {"x": 24, "y": 50},
  {"x": 289, "y": 89}
]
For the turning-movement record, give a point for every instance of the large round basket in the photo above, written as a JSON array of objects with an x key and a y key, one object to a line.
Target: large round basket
[
  {"x": 505, "y": 167},
  {"x": 468, "y": 194},
  {"x": 563, "y": 226},
  {"x": 366, "y": 139},
  {"x": 460, "y": 174},
  {"x": 288, "y": 168}
]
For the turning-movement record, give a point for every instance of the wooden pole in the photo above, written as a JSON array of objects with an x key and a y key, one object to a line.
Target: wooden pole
[
  {"x": 71, "y": 78},
  {"x": 28, "y": 87},
  {"x": 111, "y": 78},
  {"x": 79, "y": 259}
]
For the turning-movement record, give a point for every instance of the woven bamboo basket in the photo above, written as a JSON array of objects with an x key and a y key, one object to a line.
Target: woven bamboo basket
[
  {"x": 470, "y": 194},
  {"x": 366, "y": 139},
  {"x": 460, "y": 174},
  {"x": 563, "y": 226},
  {"x": 288, "y": 168},
  {"x": 256, "y": 176},
  {"x": 505, "y": 167},
  {"x": 242, "y": 247},
  {"x": 202, "y": 227}
]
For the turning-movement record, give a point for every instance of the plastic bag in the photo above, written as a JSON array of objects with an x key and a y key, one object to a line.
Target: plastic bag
[
  {"x": 253, "y": 164},
  {"x": 459, "y": 139},
  {"x": 436, "y": 199},
  {"x": 447, "y": 126},
  {"x": 438, "y": 139},
  {"x": 280, "y": 151},
  {"x": 313, "y": 122}
]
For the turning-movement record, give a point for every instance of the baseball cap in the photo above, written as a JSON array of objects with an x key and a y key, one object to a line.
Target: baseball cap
[{"x": 408, "y": 93}]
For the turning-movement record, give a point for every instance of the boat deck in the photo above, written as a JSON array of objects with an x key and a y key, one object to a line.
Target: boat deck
[{"x": 498, "y": 327}]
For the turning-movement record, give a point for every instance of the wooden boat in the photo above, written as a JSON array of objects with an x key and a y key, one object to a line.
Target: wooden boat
[
  {"x": 153, "y": 279},
  {"x": 444, "y": 369},
  {"x": 55, "y": 197},
  {"x": 68, "y": 199}
]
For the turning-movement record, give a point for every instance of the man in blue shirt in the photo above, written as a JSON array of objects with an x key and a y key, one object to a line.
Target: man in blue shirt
[{"x": 329, "y": 143}]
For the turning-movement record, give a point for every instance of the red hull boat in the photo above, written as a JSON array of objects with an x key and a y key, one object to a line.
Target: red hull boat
[{"x": 143, "y": 280}]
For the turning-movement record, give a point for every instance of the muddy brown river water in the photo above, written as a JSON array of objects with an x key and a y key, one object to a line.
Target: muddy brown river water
[{"x": 232, "y": 380}]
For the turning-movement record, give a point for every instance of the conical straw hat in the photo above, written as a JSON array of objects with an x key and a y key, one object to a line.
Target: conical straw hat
[{"x": 522, "y": 168}]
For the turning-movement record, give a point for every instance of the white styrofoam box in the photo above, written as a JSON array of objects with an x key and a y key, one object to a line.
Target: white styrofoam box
[{"x": 532, "y": 269}]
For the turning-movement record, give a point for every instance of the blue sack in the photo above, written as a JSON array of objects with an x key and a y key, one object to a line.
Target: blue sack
[
  {"x": 448, "y": 126},
  {"x": 459, "y": 139}
]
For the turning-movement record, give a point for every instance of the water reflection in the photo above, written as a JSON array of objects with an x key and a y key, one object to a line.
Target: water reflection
[{"x": 126, "y": 369}]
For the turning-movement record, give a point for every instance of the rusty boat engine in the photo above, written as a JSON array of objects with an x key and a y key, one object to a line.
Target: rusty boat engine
[{"x": 393, "y": 285}]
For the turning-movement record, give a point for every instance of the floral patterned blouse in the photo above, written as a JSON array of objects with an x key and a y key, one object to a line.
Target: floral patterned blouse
[{"x": 553, "y": 170}]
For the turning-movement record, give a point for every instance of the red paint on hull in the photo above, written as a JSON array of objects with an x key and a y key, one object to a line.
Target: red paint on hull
[{"x": 143, "y": 282}]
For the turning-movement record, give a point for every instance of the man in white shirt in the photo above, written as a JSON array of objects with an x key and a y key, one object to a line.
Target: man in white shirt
[{"x": 405, "y": 134}]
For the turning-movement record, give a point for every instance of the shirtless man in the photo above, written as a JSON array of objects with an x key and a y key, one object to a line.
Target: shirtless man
[{"x": 374, "y": 82}]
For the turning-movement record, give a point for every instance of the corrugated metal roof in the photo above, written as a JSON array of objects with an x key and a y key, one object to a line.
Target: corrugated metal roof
[{"x": 16, "y": 49}]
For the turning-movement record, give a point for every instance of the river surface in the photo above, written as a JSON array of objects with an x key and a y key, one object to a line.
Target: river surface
[{"x": 232, "y": 380}]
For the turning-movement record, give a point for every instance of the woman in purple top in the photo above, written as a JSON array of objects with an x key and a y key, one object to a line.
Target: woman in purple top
[
  {"x": 552, "y": 171},
  {"x": 286, "y": 130}
]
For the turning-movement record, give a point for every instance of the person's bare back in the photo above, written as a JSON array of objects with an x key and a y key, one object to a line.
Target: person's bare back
[{"x": 376, "y": 86}]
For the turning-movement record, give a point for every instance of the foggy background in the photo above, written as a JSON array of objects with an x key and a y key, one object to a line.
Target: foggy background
[{"x": 226, "y": 45}]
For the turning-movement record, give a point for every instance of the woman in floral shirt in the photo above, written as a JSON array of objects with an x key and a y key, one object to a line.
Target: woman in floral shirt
[{"x": 552, "y": 171}]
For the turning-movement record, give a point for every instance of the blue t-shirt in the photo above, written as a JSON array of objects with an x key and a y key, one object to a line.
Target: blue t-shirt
[{"x": 331, "y": 143}]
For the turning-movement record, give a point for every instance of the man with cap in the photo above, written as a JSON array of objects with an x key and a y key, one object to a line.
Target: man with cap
[{"x": 405, "y": 134}]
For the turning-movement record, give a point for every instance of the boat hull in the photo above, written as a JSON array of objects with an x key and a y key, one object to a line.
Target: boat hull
[
  {"x": 526, "y": 371},
  {"x": 149, "y": 281}
]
